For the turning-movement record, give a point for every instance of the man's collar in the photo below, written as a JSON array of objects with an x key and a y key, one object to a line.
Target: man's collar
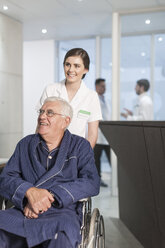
[{"x": 143, "y": 94}]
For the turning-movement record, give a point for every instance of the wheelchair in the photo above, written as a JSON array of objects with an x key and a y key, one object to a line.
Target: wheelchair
[{"x": 92, "y": 229}]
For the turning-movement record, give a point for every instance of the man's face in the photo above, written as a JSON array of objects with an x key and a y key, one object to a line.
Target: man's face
[
  {"x": 100, "y": 88},
  {"x": 139, "y": 89},
  {"x": 55, "y": 124}
]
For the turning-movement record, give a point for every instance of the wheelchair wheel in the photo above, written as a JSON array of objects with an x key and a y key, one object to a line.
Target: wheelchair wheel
[
  {"x": 86, "y": 210},
  {"x": 101, "y": 233},
  {"x": 96, "y": 238}
]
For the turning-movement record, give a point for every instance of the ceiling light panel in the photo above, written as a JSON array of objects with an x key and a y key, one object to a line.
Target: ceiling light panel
[{"x": 5, "y": 7}]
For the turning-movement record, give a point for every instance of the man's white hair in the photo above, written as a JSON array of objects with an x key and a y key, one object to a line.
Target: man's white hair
[{"x": 66, "y": 108}]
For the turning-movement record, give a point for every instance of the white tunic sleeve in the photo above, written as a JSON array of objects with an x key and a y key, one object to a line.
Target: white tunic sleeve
[
  {"x": 50, "y": 90},
  {"x": 95, "y": 108}
]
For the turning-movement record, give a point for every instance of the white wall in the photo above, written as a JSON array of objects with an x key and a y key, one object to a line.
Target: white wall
[
  {"x": 38, "y": 71},
  {"x": 10, "y": 84}
]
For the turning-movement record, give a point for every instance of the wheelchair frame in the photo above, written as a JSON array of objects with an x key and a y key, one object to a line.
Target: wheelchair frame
[{"x": 92, "y": 229}]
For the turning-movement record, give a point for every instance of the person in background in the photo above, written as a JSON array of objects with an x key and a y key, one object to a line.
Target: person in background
[
  {"x": 84, "y": 101},
  {"x": 143, "y": 110},
  {"x": 45, "y": 178},
  {"x": 102, "y": 144}
]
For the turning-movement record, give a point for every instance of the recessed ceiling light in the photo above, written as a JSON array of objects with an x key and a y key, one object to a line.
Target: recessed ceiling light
[
  {"x": 147, "y": 21},
  {"x": 143, "y": 71},
  {"x": 143, "y": 54},
  {"x": 44, "y": 31},
  {"x": 122, "y": 69},
  {"x": 5, "y": 7},
  {"x": 80, "y": 0},
  {"x": 160, "y": 39}
]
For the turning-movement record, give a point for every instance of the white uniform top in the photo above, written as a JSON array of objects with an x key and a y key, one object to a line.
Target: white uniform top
[
  {"x": 106, "y": 117},
  {"x": 143, "y": 110},
  {"x": 85, "y": 104}
]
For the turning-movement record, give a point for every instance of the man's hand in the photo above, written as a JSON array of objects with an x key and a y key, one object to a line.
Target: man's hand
[
  {"x": 128, "y": 112},
  {"x": 125, "y": 115},
  {"x": 39, "y": 201},
  {"x": 29, "y": 213}
]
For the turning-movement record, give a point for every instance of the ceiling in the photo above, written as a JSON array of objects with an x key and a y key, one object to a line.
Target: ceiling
[{"x": 70, "y": 19}]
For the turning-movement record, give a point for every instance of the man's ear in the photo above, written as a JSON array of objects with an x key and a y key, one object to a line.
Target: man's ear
[
  {"x": 142, "y": 89},
  {"x": 66, "y": 121}
]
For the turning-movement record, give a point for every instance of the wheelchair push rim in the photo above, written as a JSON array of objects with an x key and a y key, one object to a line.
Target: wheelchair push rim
[{"x": 96, "y": 238}]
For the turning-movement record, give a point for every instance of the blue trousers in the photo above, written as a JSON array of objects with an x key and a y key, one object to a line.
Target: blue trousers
[{"x": 9, "y": 240}]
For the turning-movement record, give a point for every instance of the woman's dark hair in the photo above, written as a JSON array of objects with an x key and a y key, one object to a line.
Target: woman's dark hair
[{"x": 81, "y": 53}]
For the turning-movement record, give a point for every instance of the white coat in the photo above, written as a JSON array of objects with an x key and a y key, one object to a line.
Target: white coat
[
  {"x": 85, "y": 104},
  {"x": 143, "y": 110}
]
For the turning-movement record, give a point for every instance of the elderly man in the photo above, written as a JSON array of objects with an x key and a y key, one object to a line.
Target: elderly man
[{"x": 45, "y": 178}]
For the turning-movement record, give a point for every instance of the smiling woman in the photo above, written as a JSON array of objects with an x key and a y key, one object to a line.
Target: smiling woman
[{"x": 84, "y": 101}]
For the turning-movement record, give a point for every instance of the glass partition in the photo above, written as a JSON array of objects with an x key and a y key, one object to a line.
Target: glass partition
[
  {"x": 159, "y": 82},
  {"x": 106, "y": 67},
  {"x": 142, "y": 50},
  {"x": 135, "y": 64}
]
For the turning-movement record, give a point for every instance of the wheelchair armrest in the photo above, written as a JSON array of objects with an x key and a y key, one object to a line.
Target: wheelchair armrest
[
  {"x": 4, "y": 204},
  {"x": 84, "y": 199}
]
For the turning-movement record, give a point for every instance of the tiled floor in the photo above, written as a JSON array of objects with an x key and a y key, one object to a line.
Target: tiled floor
[
  {"x": 116, "y": 233},
  {"x": 118, "y": 236},
  {"x": 107, "y": 204}
]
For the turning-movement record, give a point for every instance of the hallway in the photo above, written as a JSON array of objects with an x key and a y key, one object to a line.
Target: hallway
[{"x": 116, "y": 233}]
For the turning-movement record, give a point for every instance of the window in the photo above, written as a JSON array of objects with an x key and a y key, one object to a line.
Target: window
[
  {"x": 159, "y": 73},
  {"x": 135, "y": 65},
  {"x": 106, "y": 67}
]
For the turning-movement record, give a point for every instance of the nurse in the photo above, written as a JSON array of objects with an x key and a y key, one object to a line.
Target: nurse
[{"x": 84, "y": 101}]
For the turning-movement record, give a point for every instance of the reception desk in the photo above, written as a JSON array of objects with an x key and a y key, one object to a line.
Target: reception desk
[{"x": 140, "y": 150}]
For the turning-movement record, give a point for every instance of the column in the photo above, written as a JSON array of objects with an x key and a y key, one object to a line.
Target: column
[
  {"x": 98, "y": 57},
  {"x": 10, "y": 84},
  {"x": 115, "y": 90}
]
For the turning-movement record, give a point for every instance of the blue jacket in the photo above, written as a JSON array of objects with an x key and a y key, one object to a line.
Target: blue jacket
[{"x": 73, "y": 177}]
